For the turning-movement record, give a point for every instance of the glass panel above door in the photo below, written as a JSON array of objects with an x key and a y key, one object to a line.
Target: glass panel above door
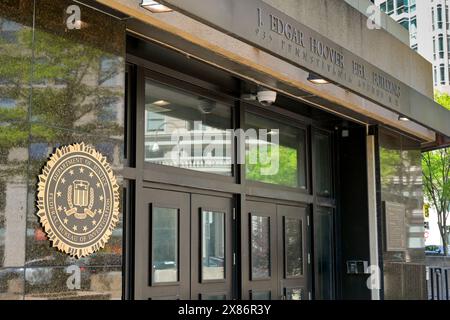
[
  {"x": 213, "y": 245},
  {"x": 187, "y": 131},
  {"x": 275, "y": 152}
]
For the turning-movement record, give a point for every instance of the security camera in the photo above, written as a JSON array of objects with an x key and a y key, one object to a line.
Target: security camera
[
  {"x": 206, "y": 106},
  {"x": 266, "y": 97}
]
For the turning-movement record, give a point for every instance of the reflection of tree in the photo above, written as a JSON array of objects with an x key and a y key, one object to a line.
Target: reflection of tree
[
  {"x": 389, "y": 165},
  {"x": 401, "y": 182},
  {"x": 293, "y": 246},
  {"x": 74, "y": 76},
  {"x": 48, "y": 83},
  {"x": 260, "y": 247},
  {"x": 400, "y": 172},
  {"x": 436, "y": 173},
  {"x": 287, "y": 168}
]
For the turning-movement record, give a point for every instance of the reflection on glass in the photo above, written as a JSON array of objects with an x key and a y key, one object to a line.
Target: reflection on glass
[
  {"x": 293, "y": 245},
  {"x": 213, "y": 245},
  {"x": 77, "y": 79},
  {"x": 186, "y": 131},
  {"x": 260, "y": 295},
  {"x": 82, "y": 72},
  {"x": 263, "y": 141},
  {"x": 322, "y": 146},
  {"x": 293, "y": 293},
  {"x": 401, "y": 177},
  {"x": 50, "y": 283},
  {"x": 324, "y": 253},
  {"x": 11, "y": 284},
  {"x": 15, "y": 70},
  {"x": 213, "y": 297},
  {"x": 260, "y": 247},
  {"x": 165, "y": 245}
]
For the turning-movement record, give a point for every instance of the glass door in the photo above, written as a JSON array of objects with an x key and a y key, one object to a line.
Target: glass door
[
  {"x": 183, "y": 246},
  {"x": 275, "y": 252}
]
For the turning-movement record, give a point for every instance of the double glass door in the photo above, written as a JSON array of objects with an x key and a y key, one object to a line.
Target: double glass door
[
  {"x": 183, "y": 246},
  {"x": 275, "y": 252}
]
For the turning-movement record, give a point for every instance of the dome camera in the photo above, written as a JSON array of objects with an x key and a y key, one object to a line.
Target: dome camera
[
  {"x": 266, "y": 97},
  {"x": 206, "y": 106}
]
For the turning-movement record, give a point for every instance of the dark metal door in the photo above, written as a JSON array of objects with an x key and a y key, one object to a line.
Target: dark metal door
[
  {"x": 275, "y": 252},
  {"x": 183, "y": 246},
  {"x": 162, "y": 245}
]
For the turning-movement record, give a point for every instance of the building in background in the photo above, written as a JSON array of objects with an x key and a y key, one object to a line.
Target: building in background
[{"x": 428, "y": 23}]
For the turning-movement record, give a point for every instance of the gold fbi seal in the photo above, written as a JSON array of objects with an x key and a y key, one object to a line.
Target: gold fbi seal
[{"x": 78, "y": 200}]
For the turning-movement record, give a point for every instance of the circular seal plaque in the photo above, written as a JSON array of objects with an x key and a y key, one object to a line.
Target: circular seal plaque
[{"x": 78, "y": 200}]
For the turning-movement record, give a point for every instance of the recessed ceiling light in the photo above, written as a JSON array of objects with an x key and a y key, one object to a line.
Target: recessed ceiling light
[
  {"x": 155, "y": 6},
  {"x": 403, "y": 118},
  {"x": 316, "y": 79},
  {"x": 161, "y": 103}
]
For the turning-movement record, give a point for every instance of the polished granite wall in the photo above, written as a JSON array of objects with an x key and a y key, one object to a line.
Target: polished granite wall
[
  {"x": 57, "y": 86},
  {"x": 401, "y": 183}
]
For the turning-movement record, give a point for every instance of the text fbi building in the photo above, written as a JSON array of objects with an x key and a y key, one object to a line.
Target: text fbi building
[{"x": 212, "y": 150}]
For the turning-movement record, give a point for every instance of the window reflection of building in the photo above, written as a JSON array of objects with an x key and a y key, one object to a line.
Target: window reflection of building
[
  {"x": 213, "y": 245},
  {"x": 401, "y": 182},
  {"x": 186, "y": 131}
]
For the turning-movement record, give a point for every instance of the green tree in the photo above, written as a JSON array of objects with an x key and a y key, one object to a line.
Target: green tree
[
  {"x": 436, "y": 174},
  {"x": 56, "y": 87},
  {"x": 443, "y": 99}
]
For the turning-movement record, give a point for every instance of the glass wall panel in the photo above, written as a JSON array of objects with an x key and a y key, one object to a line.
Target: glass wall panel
[
  {"x": 323, "y": 164},
  {"x": 324, "y": 252},
  {"x": 275, "y": 152},
  {"x": 164, "y": 244},
  {"x": 401, "y": 187},
  {"x": 293, "y": 246},
  {"x": 186, "y": 131},
  {"x": 213, "y": 245},
  {"x": 78, "y": 96},
  {"x": 260, "y": 247}
]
